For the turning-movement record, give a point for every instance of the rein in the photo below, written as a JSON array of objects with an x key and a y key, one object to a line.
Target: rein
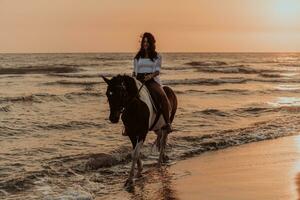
[
  {"x": 140, "y": 89},
  {"x": 137, "y": 94}
]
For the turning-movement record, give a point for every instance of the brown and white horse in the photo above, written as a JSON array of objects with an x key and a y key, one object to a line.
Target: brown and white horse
[{"x": 123, "y": 97}]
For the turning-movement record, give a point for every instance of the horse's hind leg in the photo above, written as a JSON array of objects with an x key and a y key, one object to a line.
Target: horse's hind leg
[
  {"x": 163, "y": 142},
  {"x": 135, "y": 158},
  {"x": 157, "y": 140},
  {"x": 139, "y": 167}
]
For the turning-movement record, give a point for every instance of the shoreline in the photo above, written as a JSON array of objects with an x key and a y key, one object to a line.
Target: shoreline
[{"x": 262, "y": 170}]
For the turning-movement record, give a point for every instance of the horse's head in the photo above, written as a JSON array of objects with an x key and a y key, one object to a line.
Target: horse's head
[{"x": 117, "y": 95}]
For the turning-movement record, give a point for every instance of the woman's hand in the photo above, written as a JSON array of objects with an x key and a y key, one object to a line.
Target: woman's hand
[{"x": 150, "y": 76}]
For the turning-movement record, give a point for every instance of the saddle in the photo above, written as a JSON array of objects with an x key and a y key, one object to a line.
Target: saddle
[{"x": 145, "y": 96}]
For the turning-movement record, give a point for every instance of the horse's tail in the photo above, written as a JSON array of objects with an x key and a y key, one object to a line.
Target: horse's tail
[{"x": 173, "y": 101}]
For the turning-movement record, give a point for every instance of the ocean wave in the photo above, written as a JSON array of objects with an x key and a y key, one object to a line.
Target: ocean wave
[
  {"x": 10, "y": 130},
  {"x": 189, "y": 91},
  {"x": 46, "y": 97},
  {"x": 33, "y": 98},
  {"x": 289, "y": 64},
  {"x": 218, "y": 92},
  {"x": 227, "y": 80},
  {"x": 239, "y": 112},
  {"x": 239, "y": 69},
  {"x": 73, "y": 95},
  {"x": 97, "y": 75},
  {"x": 270, "y": 75},
  {"x": 6, "y": 108},
  {"x": 234, "y": 91},
  {"x": 66, "y": 166},
  {"x": 211, "y": 111},
  {"x": 205, "y": 81},
  {"x": 232, "y": 69},
  {"x": 198, "y": 81},
  {"x": 104, "y": 58},
  {"x": 244, "y": 112},
  {"x": 227, "y": 138},
  {"x": 250, "y": 92},
  {"x": 29, "y": 98},
  {"x": 92, "y": 161},
  {"x": 275, "y": 80},
  {"x": 21, "y": 182},
  {"x": 64, "y": 68},
  {"x": 222, "y": 67},
  {"x": 96, "y": 167},
  {"x": 255, "y": 132},
  {"x": 68, "y": 82},
  {"x": 206, "y": 63},
  {"x": 254, "y": 111},
  {"x": 71, "y": 125}
]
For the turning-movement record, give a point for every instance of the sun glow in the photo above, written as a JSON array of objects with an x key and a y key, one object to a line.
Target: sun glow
[
  {"x": 185, "y": 26},
  {"x": 286, "y": 11}
]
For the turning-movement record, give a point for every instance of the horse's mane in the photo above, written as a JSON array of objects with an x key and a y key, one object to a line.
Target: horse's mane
[{"x": 128, "y": 81}]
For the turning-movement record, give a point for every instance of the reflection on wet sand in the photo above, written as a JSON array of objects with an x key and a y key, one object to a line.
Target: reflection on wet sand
[
  {"x": 297, "y": 181},
  {"x": 156, "y": 184}
]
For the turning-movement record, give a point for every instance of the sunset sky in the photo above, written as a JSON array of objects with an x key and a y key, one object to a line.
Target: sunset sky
[{"x": 179, "y": 26}]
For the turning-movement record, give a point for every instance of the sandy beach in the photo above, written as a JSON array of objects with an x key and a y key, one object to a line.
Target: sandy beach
[{"x": 265, "y": 170}]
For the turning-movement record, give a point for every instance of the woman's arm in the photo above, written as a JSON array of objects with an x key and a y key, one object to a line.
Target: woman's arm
[
  {"x": 134, "y": 73},
  {"x": 157, "y": 64},
  {"x": 156, "y": 69}
]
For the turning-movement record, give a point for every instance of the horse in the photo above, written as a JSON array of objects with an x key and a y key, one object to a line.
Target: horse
[{"x": 124, "y": 100}]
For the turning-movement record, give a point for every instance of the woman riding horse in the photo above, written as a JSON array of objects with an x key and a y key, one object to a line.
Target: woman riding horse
[
  {"x": 147, "y": 65},
  {"x": 137, "y": 113}
]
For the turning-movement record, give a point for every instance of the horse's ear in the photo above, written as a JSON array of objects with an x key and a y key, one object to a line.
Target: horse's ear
[{"x": 106, "y": 80}]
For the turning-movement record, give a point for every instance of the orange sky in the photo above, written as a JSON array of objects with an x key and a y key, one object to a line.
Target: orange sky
[{"x": 179, "y": 25}]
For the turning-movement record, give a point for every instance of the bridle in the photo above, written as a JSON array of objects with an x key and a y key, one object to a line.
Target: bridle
[{"x": 124, "y": 94}]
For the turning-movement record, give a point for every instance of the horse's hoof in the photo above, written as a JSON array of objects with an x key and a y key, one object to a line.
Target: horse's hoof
[
  {"x": 159, "y": 163},
  {"x": 139, "y": 175},
  {"x": 129, "y": 182},
  {"x": 165, "y": 159}
]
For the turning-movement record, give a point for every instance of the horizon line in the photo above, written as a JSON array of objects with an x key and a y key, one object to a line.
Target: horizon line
[{"x": 108, "y": 52}]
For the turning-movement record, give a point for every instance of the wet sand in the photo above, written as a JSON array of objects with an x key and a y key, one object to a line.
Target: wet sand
[
  {"x": 268, "y": 170},
  {"x": 263, "y": 170}
]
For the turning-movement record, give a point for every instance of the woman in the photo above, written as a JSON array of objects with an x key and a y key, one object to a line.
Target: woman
[{"x": 147, "y": 64}]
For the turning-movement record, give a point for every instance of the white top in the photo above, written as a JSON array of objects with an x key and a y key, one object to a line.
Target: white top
[{"x": 146, "y": 65}]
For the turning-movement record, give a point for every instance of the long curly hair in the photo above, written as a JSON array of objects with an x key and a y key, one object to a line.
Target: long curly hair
[{"x": 151, "y": 49}]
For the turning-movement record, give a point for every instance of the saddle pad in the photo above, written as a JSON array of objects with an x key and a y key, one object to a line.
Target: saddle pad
[{"x": 145, "y": 96}]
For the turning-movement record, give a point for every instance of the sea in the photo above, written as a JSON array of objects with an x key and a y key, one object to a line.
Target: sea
[{"x": 56, "y": 141}]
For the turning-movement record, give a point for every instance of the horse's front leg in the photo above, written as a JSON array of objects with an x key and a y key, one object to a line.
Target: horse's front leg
[{"x": 135, "y": 158}]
